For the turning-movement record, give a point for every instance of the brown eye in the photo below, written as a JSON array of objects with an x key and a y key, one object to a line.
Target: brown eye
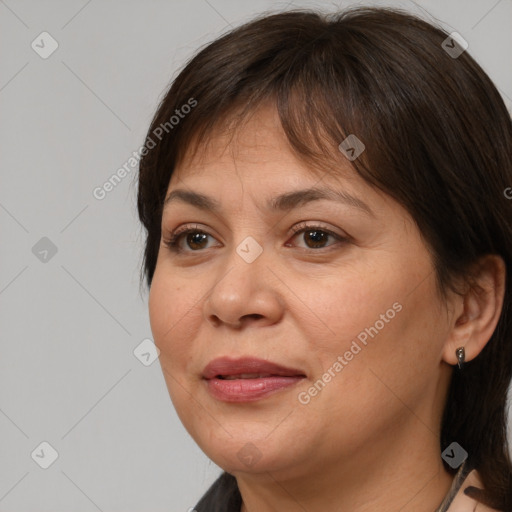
[
  {"x": 316, "y": 237},
  {"x": 195, "y": 240}
]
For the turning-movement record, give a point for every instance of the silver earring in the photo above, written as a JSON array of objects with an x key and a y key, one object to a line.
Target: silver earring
[{"x": 461, "y": 356}]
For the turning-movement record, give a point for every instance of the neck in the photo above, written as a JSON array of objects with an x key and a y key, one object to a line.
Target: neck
[{"x": 386, "y": 476}]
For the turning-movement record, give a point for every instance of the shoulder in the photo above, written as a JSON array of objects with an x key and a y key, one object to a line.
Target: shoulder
[{"x": 463, "y": 503}]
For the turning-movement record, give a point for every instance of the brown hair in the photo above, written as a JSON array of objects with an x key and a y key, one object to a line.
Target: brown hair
[{"x": 438, "y": 140}]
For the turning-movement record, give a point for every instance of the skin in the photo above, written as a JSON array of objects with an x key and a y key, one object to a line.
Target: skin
[{"x": 370, "y": 439}]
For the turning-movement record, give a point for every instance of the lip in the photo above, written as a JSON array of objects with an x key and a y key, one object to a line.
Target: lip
[
  {"x": 248, "y": 389},
  {"x": 227, "y": 366}
]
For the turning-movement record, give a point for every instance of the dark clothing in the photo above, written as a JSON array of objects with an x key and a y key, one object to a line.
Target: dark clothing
[{"x": 222, "y": 496}]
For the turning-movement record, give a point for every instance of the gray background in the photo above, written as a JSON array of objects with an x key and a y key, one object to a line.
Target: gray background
[{"x": 69, "y": 324}]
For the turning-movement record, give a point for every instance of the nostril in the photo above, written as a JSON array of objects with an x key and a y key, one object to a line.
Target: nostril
[
  {"x": 216, "y": 321},
  {"x": 256, "y": 316}
]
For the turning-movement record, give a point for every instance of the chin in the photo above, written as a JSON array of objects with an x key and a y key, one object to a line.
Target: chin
[{"x": 247, "y": 454}]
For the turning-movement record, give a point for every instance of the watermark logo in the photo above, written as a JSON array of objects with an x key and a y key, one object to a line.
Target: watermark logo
[
  {"x": 249, "y": 249},
  {"x": 44, "y": 45},
  {"x": 249, "y": 454},
  {"x": 44, "y": 455},
  {"x": 146, "y": 352},
  {"x": 454, "y": 45},
  {"x": 352, "y": 147},
  {"x": 454, "y": 455},
  {"x": 44, "y": 250}
]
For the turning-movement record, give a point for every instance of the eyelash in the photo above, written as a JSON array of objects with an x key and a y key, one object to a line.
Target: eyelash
[{"x": 173, "y": 241}]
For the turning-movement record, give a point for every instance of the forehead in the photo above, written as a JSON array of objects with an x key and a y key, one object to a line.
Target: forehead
[
  {"x": 258, "y": 146},
  {"x": 259, "y": 159}
]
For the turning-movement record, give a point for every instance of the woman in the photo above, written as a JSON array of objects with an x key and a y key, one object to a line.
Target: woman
[{"x": 329, "y": 254}]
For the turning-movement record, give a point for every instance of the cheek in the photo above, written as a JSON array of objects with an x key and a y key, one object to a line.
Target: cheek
[
  {"x": 337, "y": 310},
  {"x": 170, "y": 314},
  {"x": 390, "y": 341},
  {"x": 385, "y": 367},
  {"x": 169, "y": 310},
  {"x": 159, "y": 302},
  {"x": 384, "y": 320}
]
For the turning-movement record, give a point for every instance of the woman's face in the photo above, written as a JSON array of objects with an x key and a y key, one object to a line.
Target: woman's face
[{"x": 355, "y": 311}]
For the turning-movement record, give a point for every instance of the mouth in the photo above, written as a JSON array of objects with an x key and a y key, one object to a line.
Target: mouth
[
  {"x": 247, "y": 368},
  {"x": 248, "y": 379},
  {"x": 245, "y": 376}
]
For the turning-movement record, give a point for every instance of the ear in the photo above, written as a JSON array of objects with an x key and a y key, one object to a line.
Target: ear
[{"x": 477, "y": 312}]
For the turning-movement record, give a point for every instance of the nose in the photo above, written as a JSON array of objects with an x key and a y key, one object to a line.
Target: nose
[{"x": 244, "y": 293}]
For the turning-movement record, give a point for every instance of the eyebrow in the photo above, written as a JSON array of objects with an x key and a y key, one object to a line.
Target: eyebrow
[{"x": 282, "y": 202}]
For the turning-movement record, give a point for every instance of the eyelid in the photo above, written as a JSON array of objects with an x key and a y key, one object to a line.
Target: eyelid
[
  {"x": 318, "y": 225},
  {"x": 293, "y": 230},
  {"x": 174, "y": 239}
]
